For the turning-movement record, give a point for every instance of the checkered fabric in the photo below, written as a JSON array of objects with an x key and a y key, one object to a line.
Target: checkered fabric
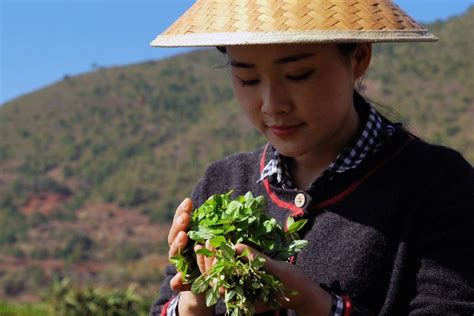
[
  {"x": 278, "y": 171},
  {"x": 172, "y": 309},
  {"x": 337, "y": 308},
  {"x": 368, "y": 142}
]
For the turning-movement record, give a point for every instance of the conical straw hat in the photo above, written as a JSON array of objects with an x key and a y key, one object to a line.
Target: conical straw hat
[{"x": 243, "y": 22}]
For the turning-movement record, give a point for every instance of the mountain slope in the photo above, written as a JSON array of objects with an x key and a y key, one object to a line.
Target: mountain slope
[{"x": 92, "y": 167}]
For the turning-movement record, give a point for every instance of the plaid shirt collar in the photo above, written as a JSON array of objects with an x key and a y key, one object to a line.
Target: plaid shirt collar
[{"x": 368, "y": 141}]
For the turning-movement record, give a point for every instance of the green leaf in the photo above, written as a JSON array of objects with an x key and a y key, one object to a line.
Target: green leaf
[
  {"x": 212, "y": 296},
  {"x": 225, "y": 222},
  {"x": 205, "y": 252},
  {"x": 293, "y": 227},
  {"x": 229, "y": 229},
  {"x": 228, "y": 251},
  {"x": 217, "y": 241},
  {"x": 289, "y": 221},
  {"x": 270, "y": 225},
  {"x": 200, "y": 285},
  {"x": 258, "y": 262},
  {"x": 297, "y": 245},
  {"x": 244, "y": 253},
  {"x": 248, "y": 196},
  {"x": 180, "y": 263},
  {"x": 229, "y": 296}
]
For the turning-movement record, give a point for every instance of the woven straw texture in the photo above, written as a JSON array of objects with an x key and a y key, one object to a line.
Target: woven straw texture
[{"x": 238, "y": 22}]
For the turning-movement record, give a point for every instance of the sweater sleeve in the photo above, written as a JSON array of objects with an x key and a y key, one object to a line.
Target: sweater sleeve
[
  {"x": 444, "y": 283},
  {"x": 166, "y": 294}
]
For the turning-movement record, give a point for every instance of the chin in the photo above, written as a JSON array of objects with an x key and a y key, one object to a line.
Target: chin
[{"x": 287, "y": 149}]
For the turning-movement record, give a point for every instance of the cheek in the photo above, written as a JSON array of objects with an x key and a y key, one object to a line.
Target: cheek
[
  {"x": 325, "y": 91},
  {"x": 322, "y": 103},
  {"x": 250, "y": 102}
]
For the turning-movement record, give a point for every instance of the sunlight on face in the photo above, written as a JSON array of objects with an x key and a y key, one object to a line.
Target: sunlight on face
[{"x": 298, "y": 96}]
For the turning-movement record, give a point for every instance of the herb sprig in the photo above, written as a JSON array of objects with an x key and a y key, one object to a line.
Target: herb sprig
[{"x": 224, "y": 223}]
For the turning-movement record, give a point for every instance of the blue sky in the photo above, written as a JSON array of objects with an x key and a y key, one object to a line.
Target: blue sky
[{"x": 41, "y": 41}]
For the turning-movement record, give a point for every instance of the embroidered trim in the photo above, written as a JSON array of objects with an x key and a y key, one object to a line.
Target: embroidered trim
[{"x": 295, "y": 211}]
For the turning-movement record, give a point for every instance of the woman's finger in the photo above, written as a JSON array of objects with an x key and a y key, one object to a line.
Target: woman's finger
[
  {"x": 209, "y": 261},
  {"x": 252, "y": 253},
  {"x": 200, "y": 259},
  {"x": 179, "y": 243},
  {"x": 181, "y": 219},
  {"x": 176, "y": 283},
  {"x": 275, "y": 267}
]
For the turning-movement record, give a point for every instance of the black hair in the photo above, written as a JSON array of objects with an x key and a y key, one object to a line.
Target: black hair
[
  {"x": 344, "y": 48},
  {"x": 222, "y": 49}
]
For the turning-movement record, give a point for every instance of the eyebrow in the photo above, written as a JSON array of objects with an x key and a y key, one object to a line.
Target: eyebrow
[{"x": 279, "y": 61}]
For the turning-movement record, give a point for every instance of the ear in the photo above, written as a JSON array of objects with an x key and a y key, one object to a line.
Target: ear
[{"x": 362, "y": 57}]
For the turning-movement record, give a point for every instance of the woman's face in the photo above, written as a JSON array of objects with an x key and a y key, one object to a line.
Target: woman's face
[{"x": 298, "y": 96}]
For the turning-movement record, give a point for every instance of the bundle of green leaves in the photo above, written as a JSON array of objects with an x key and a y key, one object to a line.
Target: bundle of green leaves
[{"x": 224, "y": 223}]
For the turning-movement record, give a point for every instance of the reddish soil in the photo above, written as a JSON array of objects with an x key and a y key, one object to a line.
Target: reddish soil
[{"x": 45, "y": 204}]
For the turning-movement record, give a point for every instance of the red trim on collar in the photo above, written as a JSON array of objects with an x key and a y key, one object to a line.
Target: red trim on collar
[
  {"x": 295, "y": 211},
  {"x": 346, "y": 192}
]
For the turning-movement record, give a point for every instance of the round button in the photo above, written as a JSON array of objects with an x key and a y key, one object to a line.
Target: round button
[{"x": 300, "y": 199}]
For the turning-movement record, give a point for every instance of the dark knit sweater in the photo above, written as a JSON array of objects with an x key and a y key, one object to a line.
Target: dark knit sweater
[{"x": 394, "y": 234}]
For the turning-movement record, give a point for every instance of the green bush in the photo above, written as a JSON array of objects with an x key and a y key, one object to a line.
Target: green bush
[
  {"x": 78, "y": 248},
  {"x": 9, "y": 309},
  {"x": 22, "y": 280},
  {"x": 67, "y": 300}
]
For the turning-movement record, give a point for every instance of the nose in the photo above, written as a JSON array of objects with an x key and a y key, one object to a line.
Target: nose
[{"x": 275, "y": 99}]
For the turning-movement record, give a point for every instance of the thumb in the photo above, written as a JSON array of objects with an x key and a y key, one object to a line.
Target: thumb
[
  {"x": 251, "y": 254},
  {"x": 275, "y": 267}
]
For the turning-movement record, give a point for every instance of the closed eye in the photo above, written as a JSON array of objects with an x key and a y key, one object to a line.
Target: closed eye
[
  {"x": 302, "y": 77},
  {"x": 248, "y": 82},
  {"x": 254, "y": 82}
]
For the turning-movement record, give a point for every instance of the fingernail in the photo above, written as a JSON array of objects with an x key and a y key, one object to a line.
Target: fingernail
[
  {"x": 183, "y": 204},
  {"x": 181, "y": 219}
]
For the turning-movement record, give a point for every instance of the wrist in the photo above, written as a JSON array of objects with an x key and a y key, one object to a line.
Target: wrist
[
  {"x": 319, "y": 303},
  {"x": 190, "y": 304}
]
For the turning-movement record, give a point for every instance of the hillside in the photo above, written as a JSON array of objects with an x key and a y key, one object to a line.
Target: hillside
[{"x": 92, "y": 167}]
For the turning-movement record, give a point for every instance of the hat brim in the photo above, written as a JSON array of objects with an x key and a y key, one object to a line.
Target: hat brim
[{"x": 314, "y": 36}]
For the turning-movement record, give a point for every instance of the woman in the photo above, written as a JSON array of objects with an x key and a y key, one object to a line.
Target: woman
[{"x": 388, "y": 222}]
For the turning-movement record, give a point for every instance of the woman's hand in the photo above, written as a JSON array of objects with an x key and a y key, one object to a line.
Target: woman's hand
[
  {"x": 310, "y": 299},
  {"x": 189, "y": 303}
]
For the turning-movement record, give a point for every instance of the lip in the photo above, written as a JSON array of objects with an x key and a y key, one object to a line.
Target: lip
[{"x": 284, "y": 130}]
